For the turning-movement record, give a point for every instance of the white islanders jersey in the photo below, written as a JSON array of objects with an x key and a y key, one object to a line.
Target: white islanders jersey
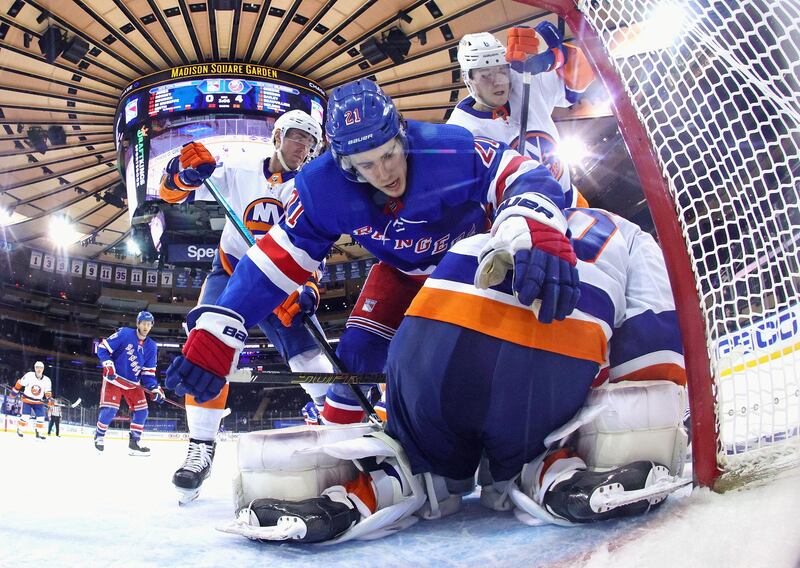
[
  {"x": 257, "y": 196},
  {"x": 547, "y": 92},
  {"x": 34, "y": 389}
]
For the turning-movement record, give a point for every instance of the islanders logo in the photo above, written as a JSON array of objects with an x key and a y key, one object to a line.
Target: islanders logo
[
  {"x": 262, "y": 214},
  {"x": 541, "y": 146}
]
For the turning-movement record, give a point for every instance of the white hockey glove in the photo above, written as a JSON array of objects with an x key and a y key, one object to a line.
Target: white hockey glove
[{"x": 158, "y": 394}]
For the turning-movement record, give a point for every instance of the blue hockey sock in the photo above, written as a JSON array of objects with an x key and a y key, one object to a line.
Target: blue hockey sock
[
  {"x": 104, "y": 417},
  {"x": 138, "y": 419}
]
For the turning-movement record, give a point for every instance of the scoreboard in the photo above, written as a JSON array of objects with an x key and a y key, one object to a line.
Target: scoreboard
[
  {"x": 217, "y": 95},
  {"x": 220, "y": 94},
  {"x": 230, "y": 107},
  {"x": 218, "y": 87}
]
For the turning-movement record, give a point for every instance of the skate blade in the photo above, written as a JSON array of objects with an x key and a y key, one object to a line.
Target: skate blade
[
  {"x": 618, "y": 497},
  {"x": 139, "y": 454},
  {"x": 186, "y": 496}
]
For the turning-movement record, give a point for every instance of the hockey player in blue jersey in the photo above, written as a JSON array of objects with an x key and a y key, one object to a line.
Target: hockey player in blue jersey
[
  {"x": 129, "y": 368},
  {"x": 258, "y": 191},
  {"x": 579, "y": 420},
  {"x": 406, "y": 192}
]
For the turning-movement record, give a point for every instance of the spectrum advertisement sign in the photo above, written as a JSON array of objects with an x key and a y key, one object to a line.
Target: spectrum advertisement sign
[{"x": 191, "y": 253}]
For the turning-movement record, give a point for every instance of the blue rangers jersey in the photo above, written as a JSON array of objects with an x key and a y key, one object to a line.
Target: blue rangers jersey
[
  {"x": 134, "y": 359},
  {"x": 454, "y": 183}
]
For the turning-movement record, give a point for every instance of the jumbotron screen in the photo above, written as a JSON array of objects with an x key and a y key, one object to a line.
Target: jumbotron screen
[{"x": 229, "y": 107}]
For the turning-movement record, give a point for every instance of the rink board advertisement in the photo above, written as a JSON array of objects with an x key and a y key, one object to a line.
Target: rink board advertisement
[{"x": 758, "y": 380}]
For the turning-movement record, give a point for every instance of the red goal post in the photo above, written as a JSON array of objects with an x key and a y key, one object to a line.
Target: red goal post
[{"x": 706, "y": 97}]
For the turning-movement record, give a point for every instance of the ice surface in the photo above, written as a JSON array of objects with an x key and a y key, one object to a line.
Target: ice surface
[{"x": 62, "y": 504}]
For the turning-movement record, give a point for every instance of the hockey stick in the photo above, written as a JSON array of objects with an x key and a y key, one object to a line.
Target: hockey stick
[
  {"x": 247, "y": 375},
  {"x": 309, "y": 324},
  {"x": 522, "y": 138},
  {"x": 171, "y": 402}
]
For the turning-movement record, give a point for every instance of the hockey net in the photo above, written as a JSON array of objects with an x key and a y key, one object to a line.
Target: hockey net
[{"x": 707, "y": 97}]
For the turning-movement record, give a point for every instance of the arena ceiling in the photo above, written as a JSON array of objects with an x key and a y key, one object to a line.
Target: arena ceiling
[{"x": 77, "y": 175}]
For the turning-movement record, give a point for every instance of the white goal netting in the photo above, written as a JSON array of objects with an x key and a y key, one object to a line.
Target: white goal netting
[{"x": 717, "y": 87}]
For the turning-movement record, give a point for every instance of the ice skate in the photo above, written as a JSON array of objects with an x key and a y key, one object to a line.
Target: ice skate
[
  {"x": 99, "y": 444},
  {"x": 312, "y": 520},
  {"x": 595, "y": 496},
  {"x": 19, "y": 433},
  {"x": 134, "y": 449},
  {"x": 195, "y": 469}
]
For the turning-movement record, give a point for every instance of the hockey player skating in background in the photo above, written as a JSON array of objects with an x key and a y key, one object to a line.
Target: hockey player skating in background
[
  {"x": 474, "y": 372},
  {"x": 259, "y": 192},
  {"x": 36, "y": 390},
  {"x": 493, "y": 107},
  {"x": 129, "y": 367},
  {"x": 406, "y": 192}
]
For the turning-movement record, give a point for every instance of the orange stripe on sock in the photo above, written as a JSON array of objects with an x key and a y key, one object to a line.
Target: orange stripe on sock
[
  {"x": 665, "y": 371},
  {"x": 549, "y": 460},
  {"x": 217, "y": 403}
]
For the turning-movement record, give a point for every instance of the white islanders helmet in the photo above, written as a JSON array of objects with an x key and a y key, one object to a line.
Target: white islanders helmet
[
  {"x": 476, "y": 51},
  {"x": 302, "y": 121}
]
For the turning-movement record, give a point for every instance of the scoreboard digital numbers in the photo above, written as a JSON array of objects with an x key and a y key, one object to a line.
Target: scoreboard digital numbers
[
  {"x": 222, "y": 94},
  {"x": 201, "y": 88}
]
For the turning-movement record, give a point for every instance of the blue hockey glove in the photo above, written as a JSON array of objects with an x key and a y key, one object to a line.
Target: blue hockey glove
[
  {"x": 311, "y": 414},
  {"x": 530, "y": 236},
  {"x": 210, "y": 354}
]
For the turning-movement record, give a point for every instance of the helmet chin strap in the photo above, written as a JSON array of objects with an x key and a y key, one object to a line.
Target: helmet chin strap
[
  {"x": 279, "y": 155},
  {"x": 474, "y": 94}
]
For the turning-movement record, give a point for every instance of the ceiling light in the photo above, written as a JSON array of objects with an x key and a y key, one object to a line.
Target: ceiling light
[
  {"x": 572, "y": 150},
  {"x": 62, "y": 231},
  {"x": 133, "y": 247},
  {"x": 5, "y": 216}
]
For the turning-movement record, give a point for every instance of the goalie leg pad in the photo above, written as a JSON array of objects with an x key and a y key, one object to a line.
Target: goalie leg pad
[
  {"x": 398, "y": 492},
  {"x": 271, "y": 464},
  {"x": 639, "y": 420}
]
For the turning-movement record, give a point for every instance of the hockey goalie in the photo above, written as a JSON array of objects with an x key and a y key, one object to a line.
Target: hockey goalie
[{"x": 572, "y": 421}]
